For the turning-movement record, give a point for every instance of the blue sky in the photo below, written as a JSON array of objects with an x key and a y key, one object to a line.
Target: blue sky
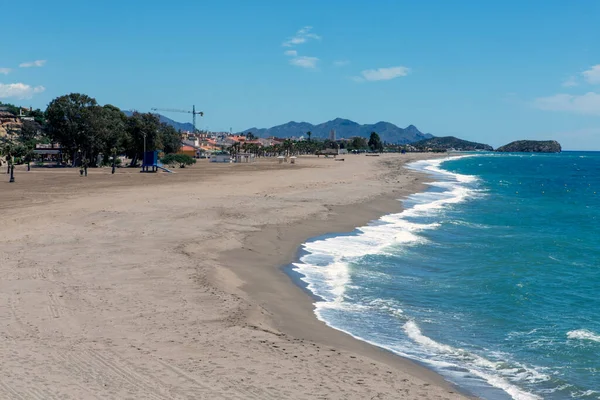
[{"x": 490, "y": 71}]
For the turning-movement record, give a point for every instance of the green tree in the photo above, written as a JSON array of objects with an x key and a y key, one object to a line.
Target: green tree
[
  {"x": 18, "y": 153},
  {"x": 142, "y": 128},
  {"x": 234, "y": 149},
  {"x": 276, "y": 149},
  {"x": 70, "y": 122},
  {"x": 29, "y": 157},
  {"x": 182, "y": 159},
  {"x": 254, "y": 148},
  {"x": 11, "y": 108},
  {"x": 309, "y": 134},
  {"x": 330, "y": 144},
  {"x": 358, "y": 143},
  {"x": 30, "y": 131},
  {"x": 110, "y": 126},
  {"x": 7, "y": 152},
  {"x": 158, "y": 136},
  {"x": 375, "y": 142},
  {"x": 288, "y": 146},
  {"x": 170, "y": 138},
  {"x": 86, "y": 129},
  {"x": 38, "y": 116}
]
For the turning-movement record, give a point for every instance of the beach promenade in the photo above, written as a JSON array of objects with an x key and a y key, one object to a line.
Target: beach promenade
[{"x": 168, "y": 286}]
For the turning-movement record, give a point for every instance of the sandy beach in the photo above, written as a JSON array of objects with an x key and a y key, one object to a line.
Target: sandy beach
[{"x": 169, "y": 286}]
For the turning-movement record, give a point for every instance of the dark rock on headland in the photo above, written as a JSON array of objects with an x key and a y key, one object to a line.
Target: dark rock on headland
[
  {"x": 450, "y": 142},
  {"x": 531, "y": 146}
]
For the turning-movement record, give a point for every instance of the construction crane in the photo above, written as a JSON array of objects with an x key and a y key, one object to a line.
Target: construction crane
[{"x": 193, "y": 112}]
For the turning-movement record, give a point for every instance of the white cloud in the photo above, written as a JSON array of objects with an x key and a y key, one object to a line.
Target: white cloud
[
  {"x": 305, "y": 62},
  {"x": 381, "y": 74},
  {"x": 292, "y": 53},
  {"x": 295, "y": 40},
  {"x": 305, "y": 32},
  {"x": 592, "y": 75},
  {"x": 5, "y": 71},
  {"x": 19, "y": 90},
  {"x": 341, "y": 63},
  {"x": 302, "y": 36},
  {"x": 36, "y": 63},
  {"x": 588, "y": 103},
  {"x": 570, "y": 82}
]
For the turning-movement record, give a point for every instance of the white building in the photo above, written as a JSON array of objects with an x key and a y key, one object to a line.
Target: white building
[{"x": 220, "y": 158}]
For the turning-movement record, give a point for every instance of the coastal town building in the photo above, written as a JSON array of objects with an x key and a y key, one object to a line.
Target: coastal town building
[
  {"x": 245, "y": 158},
  {"x": 48, "y": 152},
  {"x": 220, "y": 157},
  {"x": 191, "y": 151}
]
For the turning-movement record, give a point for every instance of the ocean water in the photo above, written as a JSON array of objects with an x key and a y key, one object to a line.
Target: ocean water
[{"x": 491, "y": 277}]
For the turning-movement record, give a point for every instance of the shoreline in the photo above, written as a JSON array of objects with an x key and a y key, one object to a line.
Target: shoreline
[
  {"x": 301, "y": 300},
  {"x": 169, "y": 286}
]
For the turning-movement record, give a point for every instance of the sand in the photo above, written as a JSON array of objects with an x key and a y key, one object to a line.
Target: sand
[{"x": 169, "y": 286}]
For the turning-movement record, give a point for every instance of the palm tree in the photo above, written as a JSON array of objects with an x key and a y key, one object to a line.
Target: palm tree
[
  {"x": 7, "y": 152},
  {"x": 234, "y": 149},
  {"x": 288, "y": 146},
  {"x": 309, "y": 134},
  {"x": 28, "y": 157}
]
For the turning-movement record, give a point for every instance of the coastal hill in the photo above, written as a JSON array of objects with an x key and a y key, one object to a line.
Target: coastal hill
[
  {"x": 451, "y": 142},
  {"x": 531, "y": 146},
  {"x": 344, "y": 128}
]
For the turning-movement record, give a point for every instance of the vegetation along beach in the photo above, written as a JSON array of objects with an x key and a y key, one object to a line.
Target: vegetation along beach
[{"x": 299, "y": 200}]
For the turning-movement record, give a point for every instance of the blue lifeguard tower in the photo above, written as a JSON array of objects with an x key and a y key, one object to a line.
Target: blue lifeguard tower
[{"x": 150, "y": 163}]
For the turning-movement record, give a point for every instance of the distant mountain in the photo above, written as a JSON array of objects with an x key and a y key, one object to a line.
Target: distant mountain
[
  {"x": 450, "y": 142},
  {"x": 532, "y": 146},
  {"x": 183, "y": 126},
  {"x": 344, "y": 128}
]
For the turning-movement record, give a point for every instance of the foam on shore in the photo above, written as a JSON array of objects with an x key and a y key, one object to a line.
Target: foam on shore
[{"x": 326, "y": 268}]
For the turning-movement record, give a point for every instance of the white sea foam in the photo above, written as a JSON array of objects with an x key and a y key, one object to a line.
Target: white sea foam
[
  {"x": 586, "y": 393},
  {"x": 491, "y": 371},
  {"x": 329, "y": 282},
  {"x": 326, "y": 269},
  {"x": 470, "y": 224},
  {"x": 329, "y": 277},
  {"x": 517, "y": 334},
  {"x": 434, "y": 167},
  {"x": 583, "y": 334}
]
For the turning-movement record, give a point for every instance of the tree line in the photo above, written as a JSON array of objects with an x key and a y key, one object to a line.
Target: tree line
[
  {"x": 93, "y": 134},
  {"x": 309, "y": 146},
  {"x": 88, "y": 132}
]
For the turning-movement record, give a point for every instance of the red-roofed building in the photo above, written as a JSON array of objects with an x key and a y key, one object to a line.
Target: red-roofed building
[{"x": 188, "y": 150}]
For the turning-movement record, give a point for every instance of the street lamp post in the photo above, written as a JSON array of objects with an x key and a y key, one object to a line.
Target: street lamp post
[
  {"x": 81, "y": 162},
  {"x": 114, "y": 159},
  {"x": 144, "y": 154},
  {"x": 12, "y": 173}
]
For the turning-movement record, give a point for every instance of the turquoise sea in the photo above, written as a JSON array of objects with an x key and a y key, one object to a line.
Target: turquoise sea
[{"x": 491, "y": 277}]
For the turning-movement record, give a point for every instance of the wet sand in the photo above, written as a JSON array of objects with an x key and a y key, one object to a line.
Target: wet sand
[{"x": 169, "y": 286}]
